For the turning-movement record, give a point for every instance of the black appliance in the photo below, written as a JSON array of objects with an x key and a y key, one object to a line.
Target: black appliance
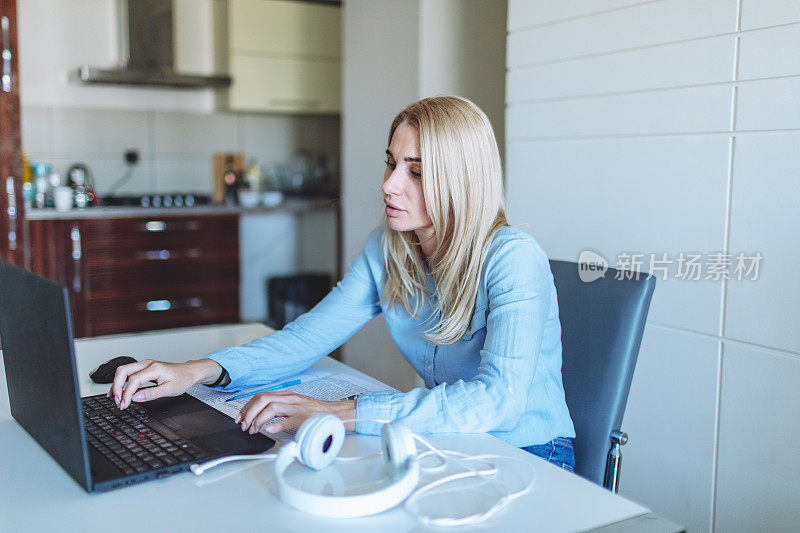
[{"x": 291, "y": 296}]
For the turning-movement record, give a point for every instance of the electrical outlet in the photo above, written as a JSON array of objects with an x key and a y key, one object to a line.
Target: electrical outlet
[{"x": 131, "y": 157}]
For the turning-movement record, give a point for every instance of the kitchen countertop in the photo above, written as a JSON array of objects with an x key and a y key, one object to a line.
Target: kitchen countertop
[{"x": 292, "y": 205}]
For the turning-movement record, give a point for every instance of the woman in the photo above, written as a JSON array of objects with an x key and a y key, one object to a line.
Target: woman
[{"x": 469, "y": 301}]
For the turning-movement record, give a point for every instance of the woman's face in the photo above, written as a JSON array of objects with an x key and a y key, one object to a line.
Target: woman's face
[{"x": 402, "y": 184}]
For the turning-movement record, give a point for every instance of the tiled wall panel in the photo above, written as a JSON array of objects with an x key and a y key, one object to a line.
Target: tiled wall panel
[
  {"x": 698, "y": 109},
  {"x": 648, "y": 24},
  {"x": 82, "y": 131},
  {"x": 770, "y": 52},
  {"x": 523, "y": 13},
  {"x": 759, "y": 467},
  {"x": 184, "y": 134},
  {"x": 765, "y": 215},
  {"x": 660, "y": 195},
  {"x": 175, "y": 148},
  {"x": 676, "y": 65},
  {"x": 669, "y": 458},
  {"x": 763, "y": 13},
  {"x": 769, "y": 105}
]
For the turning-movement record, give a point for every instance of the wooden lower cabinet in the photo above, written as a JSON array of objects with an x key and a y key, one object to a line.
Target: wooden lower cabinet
[{"x": 140, "y": 274}]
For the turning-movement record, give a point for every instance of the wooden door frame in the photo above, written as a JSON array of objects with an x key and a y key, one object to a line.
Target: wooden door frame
[{"x": 13, "y": 237}]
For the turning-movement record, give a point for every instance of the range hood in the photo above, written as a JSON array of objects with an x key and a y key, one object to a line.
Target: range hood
[{"x": 146, "y": 52}]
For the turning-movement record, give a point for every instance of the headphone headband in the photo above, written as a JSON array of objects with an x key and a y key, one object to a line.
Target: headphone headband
[{"x": 320, "y": 433}]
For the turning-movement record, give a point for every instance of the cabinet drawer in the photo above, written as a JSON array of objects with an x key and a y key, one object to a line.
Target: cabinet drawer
[
  {"x": 125, "y": 237},
  {"x": 121, "y": 280},
  {"x": 161, "y": 257},
  {"x": 160, "y": 311}
]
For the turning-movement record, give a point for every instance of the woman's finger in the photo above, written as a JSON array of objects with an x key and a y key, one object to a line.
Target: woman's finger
[
  {"x": 151, "y": 393},
  {"x": 152, "y": 372},
  {"x": 274, "y": 409},
  {"x": 251, "y": 409},
  {"x": 121, "y": 376}
]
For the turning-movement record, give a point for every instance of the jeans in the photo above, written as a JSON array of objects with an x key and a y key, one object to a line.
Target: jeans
[{"x": 558, "y": 451}]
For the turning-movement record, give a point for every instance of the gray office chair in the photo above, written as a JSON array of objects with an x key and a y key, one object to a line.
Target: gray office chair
[{"x": 602, "y": 323}]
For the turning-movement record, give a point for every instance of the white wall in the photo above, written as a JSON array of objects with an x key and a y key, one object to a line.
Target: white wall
[
  {"x": 462, "y": 51},
  {"x": 380, "y": 76},
  {"x": 396, "y": 52},
  {"x": 669, "y": 126}
]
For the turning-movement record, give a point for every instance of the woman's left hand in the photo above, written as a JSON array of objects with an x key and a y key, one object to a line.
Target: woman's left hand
[{"x": 265, "y": 406}]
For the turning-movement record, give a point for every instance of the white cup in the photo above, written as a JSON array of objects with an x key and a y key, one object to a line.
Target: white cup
[{"x": 62, "y": 197}]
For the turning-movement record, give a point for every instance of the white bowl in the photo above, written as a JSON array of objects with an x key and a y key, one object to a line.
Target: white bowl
[
  {"x": 248, "y": 199},
  {"x": 271, "y": 198}
]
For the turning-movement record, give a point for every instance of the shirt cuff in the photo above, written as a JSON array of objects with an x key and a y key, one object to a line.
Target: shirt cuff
[
  {"x": 233, "y": 363},
  {"x": 374, "y": 406}
]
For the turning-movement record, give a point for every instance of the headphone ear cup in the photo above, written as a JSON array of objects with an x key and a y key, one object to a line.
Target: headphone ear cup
[
  {"x": 398, "y": 448},
  {"x": 319, "y": 440}
]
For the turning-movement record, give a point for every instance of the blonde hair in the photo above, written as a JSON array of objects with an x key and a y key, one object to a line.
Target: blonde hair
[{"x": 463, "y": 187}]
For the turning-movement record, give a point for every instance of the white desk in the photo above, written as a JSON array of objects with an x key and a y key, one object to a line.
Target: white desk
[{"x": 37, "y": 495}]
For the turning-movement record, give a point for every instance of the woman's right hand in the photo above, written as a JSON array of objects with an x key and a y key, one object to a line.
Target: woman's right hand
[{"x": 172, "y": 379}]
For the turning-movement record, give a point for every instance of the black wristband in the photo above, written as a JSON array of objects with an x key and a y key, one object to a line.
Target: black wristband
[{"x": 221, "y": 378}]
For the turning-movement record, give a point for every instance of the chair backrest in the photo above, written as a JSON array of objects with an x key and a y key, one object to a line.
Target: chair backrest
[{"x": 602, "y": 323}]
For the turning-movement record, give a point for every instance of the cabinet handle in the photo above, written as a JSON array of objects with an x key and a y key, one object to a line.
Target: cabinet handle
[
  {"x": 6, "y": 55},
  {"x": 157, "y": 226},
  {"x": 12, "y": 213},
  {"x": 166, "y": 305},
  {"x": 165, "y": 255},
  {"x": 77, "y": 253}
]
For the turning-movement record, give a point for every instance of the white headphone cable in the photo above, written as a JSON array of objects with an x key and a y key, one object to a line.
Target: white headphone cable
[
  {"x": 200, "y": 469},
  {"x": 470, "y": 472}
]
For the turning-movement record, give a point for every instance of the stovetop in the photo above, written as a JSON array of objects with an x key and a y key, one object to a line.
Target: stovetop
[{"x": 179, "y": 199}]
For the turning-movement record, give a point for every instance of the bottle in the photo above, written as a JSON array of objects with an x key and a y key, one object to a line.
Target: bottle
[
  {"x": 77, "y": 178},
  {"x": 27, "y": 182},
  {"x": 41, "y": 188},
  {"x": 253, "y": 176},
  {"x": 55, "y": 183},
  {"x": 231, "y": 183}
]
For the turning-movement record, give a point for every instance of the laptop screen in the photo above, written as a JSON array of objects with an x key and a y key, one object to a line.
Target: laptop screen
[{"x": 39, "y": 359}]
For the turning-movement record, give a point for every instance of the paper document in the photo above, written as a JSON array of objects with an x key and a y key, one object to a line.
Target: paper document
[{"x": 319, "y": 384}]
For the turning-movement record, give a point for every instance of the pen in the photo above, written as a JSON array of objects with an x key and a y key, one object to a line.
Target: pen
[{"x": 267, "y": 389}]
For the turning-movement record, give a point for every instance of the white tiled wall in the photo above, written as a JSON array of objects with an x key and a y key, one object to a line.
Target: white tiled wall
[
  {"x": 668, "y": 126},
  {"x": 759, "y": 475},
  {"x": 175, "y": 147}
]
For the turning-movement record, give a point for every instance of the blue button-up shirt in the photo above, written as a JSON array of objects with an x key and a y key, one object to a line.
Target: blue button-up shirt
[{"x": 503, "y": 377}]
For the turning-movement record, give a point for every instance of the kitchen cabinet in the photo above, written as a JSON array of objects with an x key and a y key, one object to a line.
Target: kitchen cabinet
[
  {"x": 284, "y": 56},
  {"x": 142, "y": 273}
]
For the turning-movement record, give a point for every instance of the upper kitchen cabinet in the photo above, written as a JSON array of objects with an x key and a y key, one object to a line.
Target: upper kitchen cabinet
[{"x": 284, "y": 56}]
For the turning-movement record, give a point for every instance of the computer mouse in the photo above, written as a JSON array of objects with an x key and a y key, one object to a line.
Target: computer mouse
[{"x": 105, "y": 372}]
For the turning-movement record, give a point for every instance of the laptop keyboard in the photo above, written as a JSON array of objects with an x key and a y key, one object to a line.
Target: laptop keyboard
[{"x": 126, "y": 439}]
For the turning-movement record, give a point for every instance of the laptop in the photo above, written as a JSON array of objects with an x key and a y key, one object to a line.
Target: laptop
[{"x": 100, "y": 446}]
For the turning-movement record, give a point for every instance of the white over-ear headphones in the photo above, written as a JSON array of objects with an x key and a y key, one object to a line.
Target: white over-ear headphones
[{"x": 316, "y": 445}]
